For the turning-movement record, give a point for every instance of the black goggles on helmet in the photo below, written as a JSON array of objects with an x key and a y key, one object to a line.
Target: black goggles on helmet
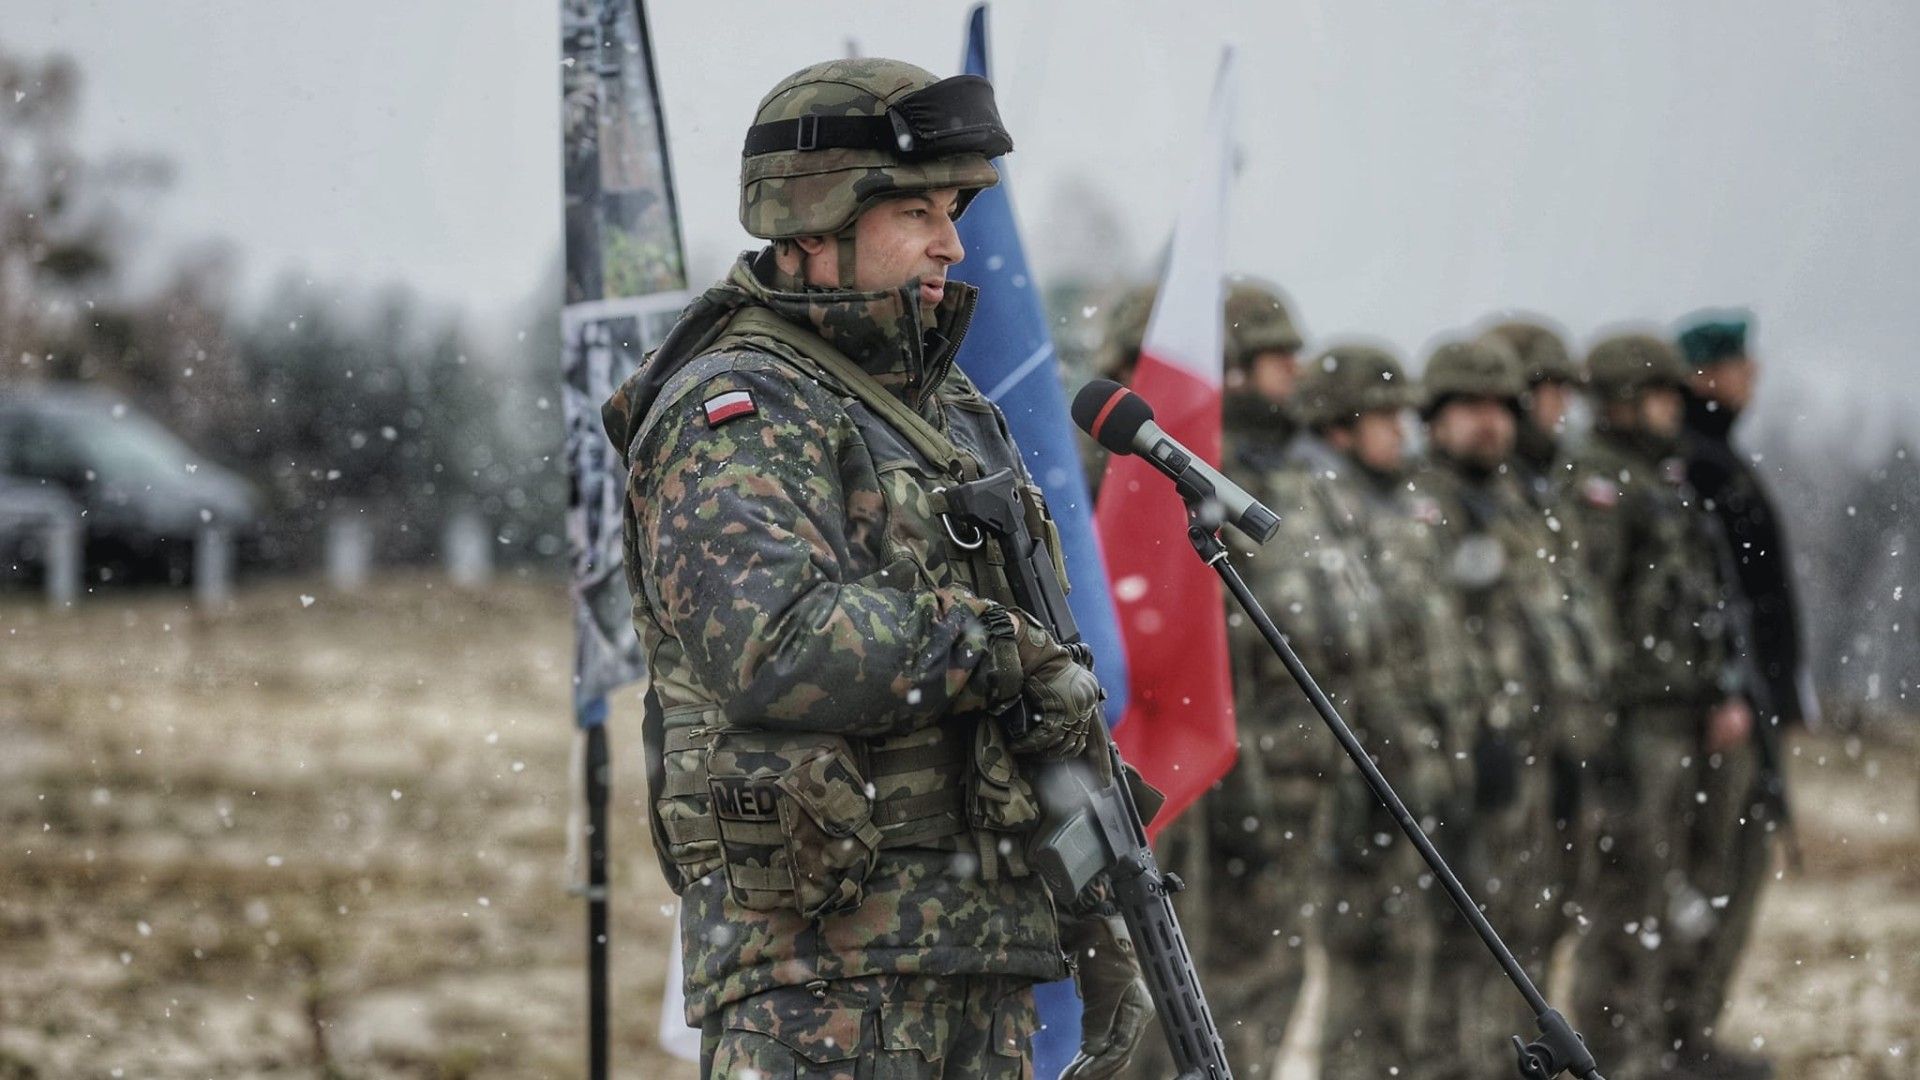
[{"x": 953, "y": 116}]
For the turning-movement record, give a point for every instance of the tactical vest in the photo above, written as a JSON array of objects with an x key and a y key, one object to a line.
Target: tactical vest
[
  {"x": 1668, "y": 591},
  {"x": 1504, "y": 561},
  {"x": 796, "y": 819},
  {"x": 1429, "y": 682}
]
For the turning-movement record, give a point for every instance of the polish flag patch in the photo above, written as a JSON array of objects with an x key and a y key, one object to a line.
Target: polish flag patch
[
  {"x": 729, "y": 406},
  {"x": 1600, "y": 492}
]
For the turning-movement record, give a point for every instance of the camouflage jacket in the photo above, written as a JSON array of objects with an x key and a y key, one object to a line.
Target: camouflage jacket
[
  {"x": 1312, "y": 579},
  {"x": 790, "y": 577},
  {"x": 1655, "y": 559},
  {"x": 1422, "y": 701},
  {"x": 1504, "y": 551},
  {"x": 1255, "y": 434}
]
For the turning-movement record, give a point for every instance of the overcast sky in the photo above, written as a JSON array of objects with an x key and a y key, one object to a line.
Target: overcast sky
[{"x": 1406, "y": 167}]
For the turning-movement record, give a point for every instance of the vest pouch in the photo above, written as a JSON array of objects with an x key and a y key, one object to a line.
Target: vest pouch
[
  {"x": 795, "y": 821},
  {"x": 999, "y": 799},
  {"x": 684, "y": 830}
]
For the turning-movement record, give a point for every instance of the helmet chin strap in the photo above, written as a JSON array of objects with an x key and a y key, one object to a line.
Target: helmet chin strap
[
  {"x": 844, "y": 242},
  {"x": 843, "y": 249}
]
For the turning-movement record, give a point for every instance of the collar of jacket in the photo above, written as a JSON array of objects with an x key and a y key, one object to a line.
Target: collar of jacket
[
  {"x": 1466, "y": 472},
  {"x": 1712, "y": 423},
  {"x": 1254, "y": 424},
  {"x": 1535, "y": 448},
  {"x": 1318, "y": 457},
  {"x": 884, "y": 332},
  {"x": 1638, "y": 444}
]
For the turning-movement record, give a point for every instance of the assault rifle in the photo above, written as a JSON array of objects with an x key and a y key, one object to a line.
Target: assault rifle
[{"x": 1093, "y": 825}]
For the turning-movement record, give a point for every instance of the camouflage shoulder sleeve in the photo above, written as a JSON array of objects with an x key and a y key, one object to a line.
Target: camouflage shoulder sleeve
[
  {"x": 1598, "y": 494},
  {"x": 1309, "y": 578},
  {"x": 759, "y": 539}
]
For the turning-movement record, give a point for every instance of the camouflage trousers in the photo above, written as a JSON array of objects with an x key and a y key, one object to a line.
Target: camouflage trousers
[
  {"x": 876, "y": 1027},
  {"x": 1248, "y": 913},
  {"x": 1258, "y": 920},
  {"x": 1729, "y": 859},
  {"x": 1640, "y": 824},
  {"x": 1519, "y": 871},
  {"x": 1401, "y": 975}
]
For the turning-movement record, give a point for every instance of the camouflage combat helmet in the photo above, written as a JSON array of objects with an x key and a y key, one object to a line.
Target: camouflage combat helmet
[
  {"x": 1622, "y": 366},
  {"x": 1543, "y": 355},
  {"x": 1471, "y": 369},
  {"x": 1257, "y": 321},
  {"x": 1347, "y": 380},
  {"x": 832, "y": 139}
]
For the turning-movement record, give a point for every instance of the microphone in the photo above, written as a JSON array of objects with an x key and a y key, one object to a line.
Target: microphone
[{"x": 1122, "y": 421}]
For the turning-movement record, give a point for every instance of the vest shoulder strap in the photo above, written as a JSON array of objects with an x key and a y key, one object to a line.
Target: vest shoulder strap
[{"x": 816, "y": 355}]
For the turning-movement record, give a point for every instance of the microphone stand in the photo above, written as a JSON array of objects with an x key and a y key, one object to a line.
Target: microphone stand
[{"x": 1559, "y": 1048}]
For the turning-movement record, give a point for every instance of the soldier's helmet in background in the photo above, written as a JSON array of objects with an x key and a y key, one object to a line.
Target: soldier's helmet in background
[
  {"x": 833, "y": 139},
  {"x": 1126, "y": 325},
  {"x": 1543, "y": 353},
  {"x": 1258, "y": 320},
  {"x": 1478, "y": 368},
  {"x": 1620, "y": 367},
  {"x": 1349, "y": 379}
]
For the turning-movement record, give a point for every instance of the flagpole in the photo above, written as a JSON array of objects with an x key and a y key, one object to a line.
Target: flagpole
[
  {"x": 597, "y": 762},
  {"x": 625, "y": 281}
]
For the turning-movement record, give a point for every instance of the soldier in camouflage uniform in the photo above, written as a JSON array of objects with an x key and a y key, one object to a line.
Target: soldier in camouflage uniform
[
  {"x": 1552, "y": 380},
  {"x": 1247, "y": 929},
  {"x": 833, "y": 794},
  {"x": 1544, "y": 467},
  {"x": 1262, "y": 820},
  {"x": 1505, "y": 557},
  {"x": 1395, "y": 948},
  {"x": 1257, "y": 423},
  {"x": 1246, "y": 909},
  {"x": 1679, "y": 692}
]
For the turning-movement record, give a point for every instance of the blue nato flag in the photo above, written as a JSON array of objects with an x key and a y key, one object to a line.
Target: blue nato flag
[{"x": 1009, "y": 354}]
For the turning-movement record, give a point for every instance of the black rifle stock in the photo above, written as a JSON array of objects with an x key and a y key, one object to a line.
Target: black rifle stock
[{"x": 1093, "y": 825}]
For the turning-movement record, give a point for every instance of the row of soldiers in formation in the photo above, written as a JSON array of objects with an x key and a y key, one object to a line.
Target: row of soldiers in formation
[{"x": 1544, "y": 647}]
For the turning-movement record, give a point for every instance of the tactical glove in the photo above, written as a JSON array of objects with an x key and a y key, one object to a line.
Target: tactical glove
[
  {"x": 1062, "y": 696},
  {"x": 1115, "y": 1008}
]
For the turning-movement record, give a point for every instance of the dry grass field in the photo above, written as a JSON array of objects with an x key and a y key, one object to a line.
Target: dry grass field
[{"x": 324, "y": 836}]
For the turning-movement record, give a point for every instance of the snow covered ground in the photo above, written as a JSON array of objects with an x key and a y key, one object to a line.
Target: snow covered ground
[{"x": 324, "y": 835}]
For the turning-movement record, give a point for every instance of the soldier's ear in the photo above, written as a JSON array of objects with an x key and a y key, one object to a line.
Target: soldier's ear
[{"x": 811, "y": 245}]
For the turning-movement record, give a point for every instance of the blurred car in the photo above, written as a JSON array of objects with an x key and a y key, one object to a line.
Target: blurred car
[
  {"x": 143, "y": 494},
  {"x": 29, "y": 514}
]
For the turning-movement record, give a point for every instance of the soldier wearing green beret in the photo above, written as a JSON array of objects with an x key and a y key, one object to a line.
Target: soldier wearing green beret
[
  {"x": 1738, "y": 819},
  {"x": 833, "y": 794}
]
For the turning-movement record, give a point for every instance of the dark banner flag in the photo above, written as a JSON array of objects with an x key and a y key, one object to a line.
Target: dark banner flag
[{"x": 626, "y": 281}]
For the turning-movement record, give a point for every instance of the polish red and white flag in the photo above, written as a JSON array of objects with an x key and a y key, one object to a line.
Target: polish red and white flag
[{"x": 1179, "y": 728}]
